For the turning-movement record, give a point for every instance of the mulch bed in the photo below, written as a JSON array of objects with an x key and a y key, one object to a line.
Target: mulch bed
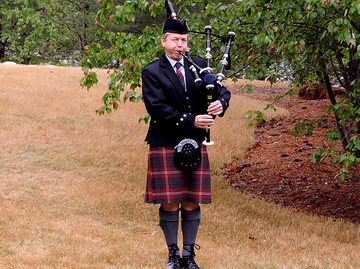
[{"x": 277, "y": 168}]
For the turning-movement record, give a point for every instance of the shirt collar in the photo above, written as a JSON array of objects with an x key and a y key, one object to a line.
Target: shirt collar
[{"x": 173, "y": 62}]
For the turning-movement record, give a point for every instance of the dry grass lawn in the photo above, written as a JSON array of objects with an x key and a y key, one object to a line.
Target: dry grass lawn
[{"x": 72, "y": 183}]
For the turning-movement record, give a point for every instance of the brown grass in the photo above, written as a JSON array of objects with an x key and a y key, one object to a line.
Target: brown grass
[{"x": 72, "y": 183}]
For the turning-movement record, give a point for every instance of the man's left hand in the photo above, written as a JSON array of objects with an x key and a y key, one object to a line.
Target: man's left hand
[{"x": 215, "y": 108}]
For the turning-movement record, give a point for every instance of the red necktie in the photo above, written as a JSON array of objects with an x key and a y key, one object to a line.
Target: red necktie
[{"x": 179, "y": 73}]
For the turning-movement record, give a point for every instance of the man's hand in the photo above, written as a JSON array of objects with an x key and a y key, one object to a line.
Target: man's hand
[
  {"x": 215, "y": 108},
  {"x": 203, "y": 121}
]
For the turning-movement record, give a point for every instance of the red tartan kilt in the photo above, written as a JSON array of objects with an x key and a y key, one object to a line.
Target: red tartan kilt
[{"x": 167, "y": 184}]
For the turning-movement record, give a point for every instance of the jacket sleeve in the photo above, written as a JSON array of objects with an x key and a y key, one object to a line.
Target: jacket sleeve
[
  {"x": 220, "y": 93},
  {"x": 223, "y": 95}
]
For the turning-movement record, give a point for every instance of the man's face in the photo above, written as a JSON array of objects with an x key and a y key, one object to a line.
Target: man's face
[{"x": 173, "y": 44}]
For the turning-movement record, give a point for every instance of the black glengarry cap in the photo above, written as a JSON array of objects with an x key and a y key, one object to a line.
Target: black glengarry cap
[{"x": 175, "y": 26}]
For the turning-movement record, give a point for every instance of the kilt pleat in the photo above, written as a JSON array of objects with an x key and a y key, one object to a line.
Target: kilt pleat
[{"x": 167, "y": 184}]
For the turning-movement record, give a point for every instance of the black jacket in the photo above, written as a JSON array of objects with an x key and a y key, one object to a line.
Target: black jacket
[{"x": 172, "y": 110}]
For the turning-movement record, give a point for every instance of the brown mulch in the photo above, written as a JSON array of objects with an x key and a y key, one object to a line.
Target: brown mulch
[{"x": 277, "y": 168}]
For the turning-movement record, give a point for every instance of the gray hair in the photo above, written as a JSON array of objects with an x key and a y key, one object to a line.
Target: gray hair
[{"x": 165, "y": 35}]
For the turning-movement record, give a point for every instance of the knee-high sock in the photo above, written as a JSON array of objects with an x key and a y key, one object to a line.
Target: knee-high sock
[
  {"x": 190, "y": 221},
  {"x": 169, "y": 223}
]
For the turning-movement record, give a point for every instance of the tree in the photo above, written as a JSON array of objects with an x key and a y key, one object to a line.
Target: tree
[
  {"x": 314, "y": 40},
  {"x": 320, "y": 41},
  {"x": 74, "y": 20},
  {"x": 21, "y": 27},
  {"x": 46, "y": 31}
]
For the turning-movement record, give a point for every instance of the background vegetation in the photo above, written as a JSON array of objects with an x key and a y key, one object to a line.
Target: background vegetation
[{"x": 303, "y": 41}]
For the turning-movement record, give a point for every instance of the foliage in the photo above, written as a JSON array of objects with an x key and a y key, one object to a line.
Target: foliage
[
  {"x": 306, "y": 40},
  {"x": 46, "y": 31},
  {"x": 135, "y": 50},
  {"x": 23, "y": 43},
  {"x": 317, "y": 41}
]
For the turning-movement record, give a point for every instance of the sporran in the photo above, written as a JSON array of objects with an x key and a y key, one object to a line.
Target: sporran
[{"x": 187, "y": 154}]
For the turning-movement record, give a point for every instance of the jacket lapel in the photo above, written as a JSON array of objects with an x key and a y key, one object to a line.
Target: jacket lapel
[
  {"x": 170, "y": 74},
  {"x": 190, "y": 84}
]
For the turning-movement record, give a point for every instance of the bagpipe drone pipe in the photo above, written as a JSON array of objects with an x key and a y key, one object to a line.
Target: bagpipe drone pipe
[{"x": 204, "y": 76}]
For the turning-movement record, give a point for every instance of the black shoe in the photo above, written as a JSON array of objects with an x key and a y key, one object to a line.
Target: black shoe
[
  {"x": 174, "y": 258},
  {"x": 188, "y": 261}
]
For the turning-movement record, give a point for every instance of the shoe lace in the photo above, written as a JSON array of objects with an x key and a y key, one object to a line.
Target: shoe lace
[
  {"x": 191, "y": 264},
  {"x": 192, "y": 251}
]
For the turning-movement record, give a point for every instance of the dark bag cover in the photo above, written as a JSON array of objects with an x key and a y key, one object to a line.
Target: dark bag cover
[{"x": 187, "y": 154}]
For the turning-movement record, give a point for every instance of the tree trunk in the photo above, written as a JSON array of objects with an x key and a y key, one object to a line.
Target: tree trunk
[
  {"x": 83, "y": 39},
  {"x": 2, "y": 51},
  {"x": 350, "y": 75},
  {"x": 2, "y": 45},
  {"x": 341, "y": 127}
]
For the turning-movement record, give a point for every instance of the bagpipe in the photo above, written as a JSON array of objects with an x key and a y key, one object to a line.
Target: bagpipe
[{"x": 204, "y": 76}]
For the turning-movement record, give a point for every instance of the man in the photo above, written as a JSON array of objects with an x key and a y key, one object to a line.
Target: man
[{"x": 178, "y": 110}]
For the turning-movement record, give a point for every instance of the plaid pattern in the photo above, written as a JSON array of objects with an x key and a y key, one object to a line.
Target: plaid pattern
[{"x": 167, "y": 184}]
